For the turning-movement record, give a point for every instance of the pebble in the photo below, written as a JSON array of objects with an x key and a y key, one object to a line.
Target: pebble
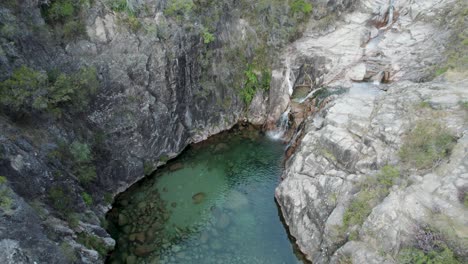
[{"x": 176, "y": 248}]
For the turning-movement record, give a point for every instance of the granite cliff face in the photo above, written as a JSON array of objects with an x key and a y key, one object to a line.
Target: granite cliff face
[{"x": 333, "y": 195}]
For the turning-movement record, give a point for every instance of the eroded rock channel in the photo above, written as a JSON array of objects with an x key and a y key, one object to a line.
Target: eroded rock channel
[{"x": 213, "y": 204}]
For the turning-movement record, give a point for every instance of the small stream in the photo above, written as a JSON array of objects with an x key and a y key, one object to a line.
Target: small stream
[{"x": 213, "y": 204}]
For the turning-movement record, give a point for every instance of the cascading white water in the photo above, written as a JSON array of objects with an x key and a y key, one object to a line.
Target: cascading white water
[
  {"x": 390, "y": 13},
  {"x": 309, "y": 95},
  {"x": 281, "y": 126}
]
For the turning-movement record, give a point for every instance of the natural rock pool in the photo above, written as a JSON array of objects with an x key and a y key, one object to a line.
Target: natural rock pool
[{"x": 213, "y": 204}]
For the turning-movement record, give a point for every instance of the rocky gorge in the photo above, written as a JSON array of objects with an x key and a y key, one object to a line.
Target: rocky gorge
[{"x": 351, "y": 79}]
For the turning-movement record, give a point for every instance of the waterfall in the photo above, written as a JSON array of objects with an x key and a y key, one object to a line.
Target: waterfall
[
  {"x": 309, "y": 95},
  {"x": 281, "y": 126},
  {"x": 390, "y": 13}
]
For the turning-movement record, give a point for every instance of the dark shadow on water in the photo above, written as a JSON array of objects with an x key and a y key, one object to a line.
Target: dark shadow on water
[{"x": 301, "y": 256}]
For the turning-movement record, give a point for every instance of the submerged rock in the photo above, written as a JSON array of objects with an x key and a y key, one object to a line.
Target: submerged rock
[
  {"x": 143, "y": 250},
  {"x": 199, "y": 197},
  {"x": 123, "y": 220},
  {"x": 176, "y": 166},
  {"x": 223, "y": 221},
  {"x": 236, "y": 201}
]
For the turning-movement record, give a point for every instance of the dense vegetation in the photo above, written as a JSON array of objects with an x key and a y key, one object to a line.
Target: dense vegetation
[
  {"x": 66, "y": 17},
  {"x": 255, "y": 81},
  {"x": 28, "y": 91}
]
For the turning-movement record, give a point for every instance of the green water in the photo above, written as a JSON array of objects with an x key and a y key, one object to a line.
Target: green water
[{"x": 213, "y": 204}]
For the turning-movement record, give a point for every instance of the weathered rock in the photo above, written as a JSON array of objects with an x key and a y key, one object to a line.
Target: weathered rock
[
  {"x": 358, "y": 72},
  {"x": 357, "y": 134},
  {"x": 362, "y": 132},
  {"x": 223, "y": 221}
]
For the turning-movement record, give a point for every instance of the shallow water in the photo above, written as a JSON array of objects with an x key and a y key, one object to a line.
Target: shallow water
[{"x": 213, "y": 204}]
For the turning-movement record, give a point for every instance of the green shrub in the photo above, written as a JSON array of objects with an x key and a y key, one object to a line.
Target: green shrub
[
  {"x": 266, "y": 79},
  {"x": 207, "y": 37},
  {"x": 423, "y": 105},
  {"x": 87, "y": 198},
  {"x": 23, "y": 90},
  {"x": 119, "y": 5},
  {"x": 68, "y": 252},
  {"x": 5, "y": 199},
  {"x": 441, "y": 70},
  {"x": 426, "y": 145},
  {"x": 86, "y": 173},
  {"x": 131, "y": 22},
  {"x": 416, "y": 256},
  {"x": 61, "y": 10},
  {"x": 345, "y": 259},
  {"x": 85, "y": 86},
  {"x": 387, "y": 176},
  {"x": 108, "y": 198},
  {"x": 252, "y": 83},
  {"x": 464, "y": 105},
  {"x": 247, "y": 94},
  {"x": 61, "y": 200},
  {"x": 163, "y": 158},
  {"x": 301, "y": 6},
  {"x": 359, "y": 208},
  {"x": 79, "y": 157},
  {"x": 80, "y": 152},
  {"x": 73, "y": 29},
  {"x": 73, "y": 219},
  {"x": 148, "y": 167},
  {"x": 65, "y": 17},
  {"x": 178, "y": 8},
  {"x": 28, "y": 90},
  {"x": 92, "y": 242},
  {"x": 373, "y": 189}
]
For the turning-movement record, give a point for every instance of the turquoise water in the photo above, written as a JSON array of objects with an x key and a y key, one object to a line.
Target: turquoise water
[{"x": 213, "y": 204}]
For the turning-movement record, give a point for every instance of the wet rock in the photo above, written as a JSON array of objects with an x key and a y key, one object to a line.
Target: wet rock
[
  {"x": 221, "y": 147},
  {"x": 358, "y": 72},
  {"x": 140, "y": 237},
  {"x": 123, "y": 220},
  {"x": 141, "y": 205},
  {"x": 198, "y": 197},
  {"x": 131, "y": 260},
  {"x": 176, "y": 166},
  {"x": 176, "y": 248},
  {"x": 143, "y": 250}
]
